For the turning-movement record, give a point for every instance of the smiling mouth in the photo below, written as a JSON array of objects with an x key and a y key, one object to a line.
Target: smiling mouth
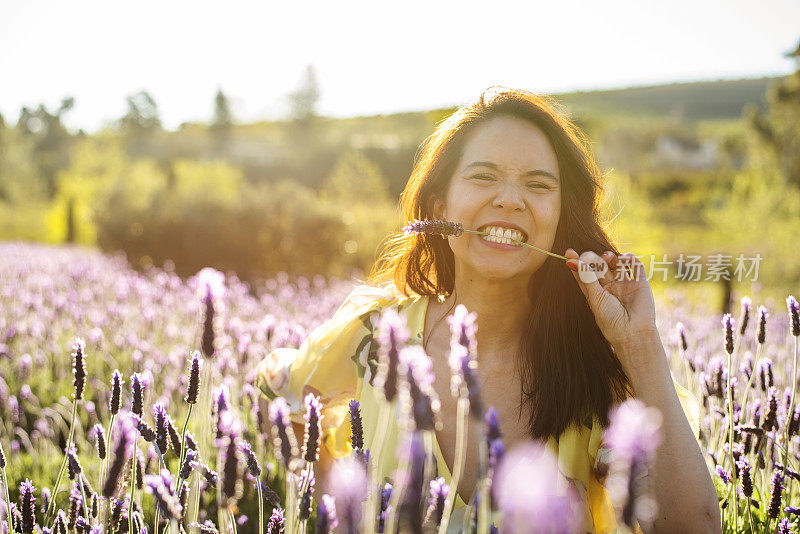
[{"x": 506, "y": 236}]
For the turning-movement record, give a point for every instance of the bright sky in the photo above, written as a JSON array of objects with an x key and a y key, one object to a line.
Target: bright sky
[{"x": 370, "y": 56}]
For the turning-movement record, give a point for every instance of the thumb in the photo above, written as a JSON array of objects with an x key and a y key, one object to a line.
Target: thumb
[{"x": 589, "y": 285}]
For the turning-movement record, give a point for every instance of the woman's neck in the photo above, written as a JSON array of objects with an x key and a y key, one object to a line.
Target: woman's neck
[{"x": 502, "y": 310}]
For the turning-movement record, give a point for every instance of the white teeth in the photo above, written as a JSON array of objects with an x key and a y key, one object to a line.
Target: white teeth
[{"x": 503, "y": 235}]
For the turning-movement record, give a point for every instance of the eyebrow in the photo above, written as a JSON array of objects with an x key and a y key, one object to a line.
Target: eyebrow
[{"x": 537, "y": 172}]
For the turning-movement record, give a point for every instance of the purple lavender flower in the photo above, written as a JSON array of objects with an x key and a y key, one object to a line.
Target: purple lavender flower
[
  {"x": 775, "y": 496},
  {"x": 392, "y": 335},
  {"x": 2, "y": 457},
  {"x": 194, "y": 378},
  {"x": 306, "y": 481},
  {"x": 211, "y": 282},
  {"x": 188, "y": 460},
  {"x": 160, "y": 416},
  {"x": 682, "y": 336},
  {"x": 46, "y": 496},
  {"x": 166, "y": 501},
  {"x": 15, "y": 517},
  {"x": 229, "y": 465},
  {"x": 432, "y": 227},
  {"x": 463, "y": 359},
  {"x": 746, "y": 477},
  {"x": 356, "y": 425},
  {"x": 137, "y": 395},
  {"x": 745, "y": 302},
  {"x": 727, "y": 324},
  {"x": 100, "y": 440},
  {"x": 220, "y": 403},
  {"x": 492, "y": 425},
  {"x": 525, "y": 489},
  {"x": 253, "y": 467},
  {"x": 418, "y": 394},
  {"x": 74, "y": 468},
  {"x": 785, "y": 527},
  {"x": 75, "y": 506},
  {"x": 123, "y": 447},
  {"x": 348, "y": 485},
  {"x": 766, "y": 374},
  {"x": 284, "y": 442},
  {"x": 78, "y": 367},
  {"x": 28, "y": 508},
  {"x": 190, "y": 442},
  {"x": 771, "y": 413},
  {"x": 792, "y": 510},
  {"x": 326, "y": 515},
  {"x": 174, "y": 437},
  {"x": 412, "y": 507},
  {"x": 794, "y": 315},
  {"x": 275, "y": 525},
  {"x": 438, "y": 494},
  {"x": 763, "y": 314},
  {"x": 724, "y": 475},
  {"x": 386, "y": 494},
  {"x": 60, "y": 525},
  {"x": 145, "y": 430},
  {"x": 633, "y": 435},
  {"x": 313, "y": 429},
  {"x": 116, "y": 392}
]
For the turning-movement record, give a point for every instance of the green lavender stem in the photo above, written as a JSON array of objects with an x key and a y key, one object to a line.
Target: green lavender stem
[
  {"x": 374, "y": 463},
  {"x": 752, "y": 375},
  {"x": 232, "y": 519},
  {"x": 483, "y": 481},
  {"x": 8, "y": 503},
  {"x": 104, "y": 461},
  {"x": 730, "y": 447},
  {"x": 395, "y": 500},
  {"x": 458, "y": 465},
  {"x": 789, "y": 416},
  {"x": 133, "y": 484},
  {"x": 260, "y": 506},
  {"x": 52, "y": 506},
  {"x": 83, "y": 496},
  {"x": 179, "y": 480}
]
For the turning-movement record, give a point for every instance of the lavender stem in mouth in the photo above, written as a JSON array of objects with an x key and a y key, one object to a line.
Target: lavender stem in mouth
[{"x": 521, "y": 243}]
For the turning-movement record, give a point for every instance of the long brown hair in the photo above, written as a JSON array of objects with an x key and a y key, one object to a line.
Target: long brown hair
[{"x": 568, "y": 370}]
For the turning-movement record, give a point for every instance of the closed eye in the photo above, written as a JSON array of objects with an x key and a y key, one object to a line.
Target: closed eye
[
  {"x": 538, "y": 185},
  {"x": 483, "y": 177}
]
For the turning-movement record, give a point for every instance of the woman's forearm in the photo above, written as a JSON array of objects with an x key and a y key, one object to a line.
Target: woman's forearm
[{"x": 684, "y": 491}]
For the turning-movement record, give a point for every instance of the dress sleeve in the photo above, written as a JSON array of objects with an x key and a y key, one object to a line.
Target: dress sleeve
[{"x": 326, "y": 364}]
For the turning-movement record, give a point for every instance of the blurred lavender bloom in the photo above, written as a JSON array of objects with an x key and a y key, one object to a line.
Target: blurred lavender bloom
[
  {"x": 100, "y": 440},
  {"x": 253, "y": 467},
  {"x": 724, "y": 475},
  {"x": 463, "y": 359},
  {"x": 439, "y": 490},
  {"x": 412, "y": 508},
  {"x": 727, "y": 326},
  {"x": 775, "y": 496},
  {"x": 305, "y": 484},
  {"x": 392, "y": 334},
  {"x": 186, "y": 467},
  {"x": 744, "y": 314},
  {"x": 123, "y": 447},
  {"x": 284, "y": 442},
  {"x": 160, "y": 417},
  {"x": 526, "y": 490},
  {"x": 633, "y": 435},
  {"x": 386, "y": 494},
  {"x": 682, "y": 336},
  {"x": 763, "y": 315},
  {"x": 418, "y": 394},
  {"x": 229, "y": 465},
  {"x": 159, "y": 486},
  {"x": 326, "y": 515},
  {"x": 348, "y": 485},
  {"x": 74, "y": 468}
]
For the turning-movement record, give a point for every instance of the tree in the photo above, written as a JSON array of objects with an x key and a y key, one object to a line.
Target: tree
[
  {"x": 140, "y": 122},
  {"x": 223, "y": 120},
  {"x": 779, "y": 126},
  {"x": 303, "y": 101}
]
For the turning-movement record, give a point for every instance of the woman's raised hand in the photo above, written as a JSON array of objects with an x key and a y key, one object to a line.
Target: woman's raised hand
[{"x": 618, "y": 294}]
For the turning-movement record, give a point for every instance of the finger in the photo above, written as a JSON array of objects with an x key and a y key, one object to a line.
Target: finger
[
  {"x": 590, "y": 286},
  {"x": 611, "y": 259},
  {"x": 598, "y": 265}
]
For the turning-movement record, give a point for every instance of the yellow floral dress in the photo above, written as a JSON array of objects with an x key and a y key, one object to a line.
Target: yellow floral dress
[{"x": 338, "y": 361}]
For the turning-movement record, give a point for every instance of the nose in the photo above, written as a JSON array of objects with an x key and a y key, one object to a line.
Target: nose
[{"x": 509, "y": 197}]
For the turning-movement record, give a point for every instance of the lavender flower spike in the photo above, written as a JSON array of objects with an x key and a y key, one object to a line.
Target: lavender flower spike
[
  {"x": 775, "y": 497},
  {"x": 419, "y": 397},
  {"x": 116, "y": 392},
  {"x": 438, "y": 494},
  {"x": 463, "y": 359},
  {"x": 356, "y": 425},
  {"x": 193, "y": 387},
  {"x": 137, "y": 395},
  {"x": 283, "y": 438},
  {"x": 763, "y": 314},
  {"x": 79, "y": 367},
  {"x": 433, "y": 227},
  {"x": 746, "y": 303},
  {"x": 160, "y": 416},
  {"x": 727, "y": 323},
  {"x": 253, "y": 467},
  {"x": 313, "y": 429},
  {"x": 123, "y": 447},
  {"x": 276, "y": 522},
  {"x": 794, "y": 315},
  {"x": 26, "y": 494},
  {"x": 166, "y": 501}
]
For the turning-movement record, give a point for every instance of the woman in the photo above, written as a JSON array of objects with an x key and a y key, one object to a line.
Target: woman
[{"x": 559, "y": 343}]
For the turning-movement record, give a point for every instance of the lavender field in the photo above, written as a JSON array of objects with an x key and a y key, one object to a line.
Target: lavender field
[{"x": 177, "y": 439}]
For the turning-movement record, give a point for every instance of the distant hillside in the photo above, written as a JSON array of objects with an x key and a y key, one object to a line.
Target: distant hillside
[{"x": 722, "y": 99}]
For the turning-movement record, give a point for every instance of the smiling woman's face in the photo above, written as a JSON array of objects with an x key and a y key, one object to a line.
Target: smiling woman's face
[{"x": 508, "y": 177}]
